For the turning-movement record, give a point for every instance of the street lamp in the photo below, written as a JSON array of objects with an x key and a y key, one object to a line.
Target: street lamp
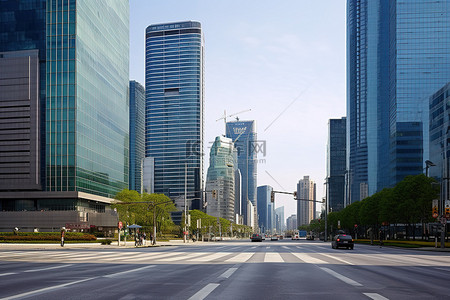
[{"x": 428, "y": 164}]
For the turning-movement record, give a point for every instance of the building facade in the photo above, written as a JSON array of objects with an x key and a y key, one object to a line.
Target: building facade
[
  {"x": 336, "y": 164},
  {"x": 306, "y": 207},
  {"x": 291, "y": 222},
  {"x": 243, "y": 134},
  {"x": 82, "y": 90},
  {"x": 279, "y": 219},
  {"x": 220, "y": 180},
  {"x": 137, "y": 136},
  {"x": 397, "y": 56},
  {"x": 264, "y": 208},
  {"x": 175, "y": 108}
]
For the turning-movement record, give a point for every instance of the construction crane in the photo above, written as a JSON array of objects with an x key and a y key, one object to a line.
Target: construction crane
[{"x": 225, "y": 116}]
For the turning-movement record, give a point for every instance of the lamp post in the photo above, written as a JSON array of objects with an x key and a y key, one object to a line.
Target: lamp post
[{"x": 428, "y": 164}]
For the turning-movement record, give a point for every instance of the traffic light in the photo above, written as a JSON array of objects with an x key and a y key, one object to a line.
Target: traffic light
[
  {"x": 272, "y": 196},
  {"x": 214, "y": 194},
  {"x": 435, "y": 210},
  {"x": 295, "y": 195},
  {"x": 447, "y": 211}
]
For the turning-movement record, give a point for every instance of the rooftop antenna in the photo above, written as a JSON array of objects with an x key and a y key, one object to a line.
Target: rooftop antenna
[{"x": 225, "y": 116}]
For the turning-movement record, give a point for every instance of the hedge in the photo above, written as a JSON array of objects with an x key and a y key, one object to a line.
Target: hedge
[{"x": 46, "y": 236}]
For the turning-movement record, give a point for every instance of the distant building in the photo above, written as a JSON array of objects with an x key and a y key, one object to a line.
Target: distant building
[
  {"x": 243, "y": 134},
  {"x": 336, "y": 164},
  {"x": 174, "y": 88},
  {"x": 220, "y": 180},
  {"x": 137, "y": 135},
  {"x": 291, "y": 222},
  {"x": 279, "y": 220},
  {"x": 148, "y": 177},
  {"x": 264, "y": 208},
  {"x": 306, "y": 208}
]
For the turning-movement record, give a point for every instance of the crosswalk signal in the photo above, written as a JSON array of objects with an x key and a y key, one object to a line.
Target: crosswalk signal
[{"x": 272, "y": 196}]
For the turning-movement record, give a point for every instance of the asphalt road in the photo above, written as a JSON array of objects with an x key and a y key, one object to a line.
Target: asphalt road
[{"x": 225, "y": 270}]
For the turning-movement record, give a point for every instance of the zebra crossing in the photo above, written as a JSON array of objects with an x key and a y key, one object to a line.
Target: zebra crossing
[{"x": 74, "y": 257}]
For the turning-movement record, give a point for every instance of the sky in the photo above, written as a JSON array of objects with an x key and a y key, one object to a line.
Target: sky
[{"x": 284, "y": 60}]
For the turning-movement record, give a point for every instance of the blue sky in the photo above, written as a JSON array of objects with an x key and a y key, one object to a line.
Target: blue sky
[{"x": 284, "y": 60}]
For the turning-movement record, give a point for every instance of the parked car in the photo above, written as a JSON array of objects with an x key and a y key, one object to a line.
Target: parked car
[
  {"x": 256, "y": 237},
  {"x": 342, "y": 240}
]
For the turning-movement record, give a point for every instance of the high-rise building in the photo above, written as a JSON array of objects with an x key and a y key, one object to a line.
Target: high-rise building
[
  {"x": 243, "y": 134},
  {"x": 336, "y": 164},
  {"x": 264, "y": 208},
  {"x": 397, "y": 56},
  {"x": 291, "y": 222},
  {"x": 137, "y": 135},
  {"x": 175, "y": 107},
  {"x": 306, "y": 207},
  {"x": 148, "y": 175},
  {"x": 220, "y": 180},
  {"x": 78, "y": 116},
  {"x": 440, "y": 137},
  {"x": 279, "y": 222}
]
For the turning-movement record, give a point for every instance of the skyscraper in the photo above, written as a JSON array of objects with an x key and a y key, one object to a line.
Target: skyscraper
[
  {"x": 398, "y": 55},
  {"x": 220, "y": 179},
  {"x": 243, "y": 134},
  {"x": 306, "y": 208},
  {"x": 174, "y": 108},
  {"x": 264, "y": 208},
  {"x": 78, "y": 99},
  {"x": 137, "y": 135},
  {"x": 279, "y": 224},
  {"x": 336, "y": 164}
]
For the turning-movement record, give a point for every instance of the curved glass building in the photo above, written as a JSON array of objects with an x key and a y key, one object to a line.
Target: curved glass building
[{"x": 174, "y": 108}]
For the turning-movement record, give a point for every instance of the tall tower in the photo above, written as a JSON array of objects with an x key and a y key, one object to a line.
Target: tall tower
[
  {"x": 264, "y": 208},
  {"x": 78, "y": 98},
  {"x": 243, "y": 134},
  {"x": 306, "y": 210},
  {"x": 396, "y": 58},
  {"x": 336, "y": 163},
  {"x": 174, "y": 108},
  {"x": 137, "y": 135}
]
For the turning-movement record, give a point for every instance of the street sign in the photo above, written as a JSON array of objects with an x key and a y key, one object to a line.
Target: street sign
[
  {"x": 120, "y": 225},
  {"x": 435, "y": 215}
]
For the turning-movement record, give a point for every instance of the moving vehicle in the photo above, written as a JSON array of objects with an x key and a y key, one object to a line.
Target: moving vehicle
[
  {"x": 256, "y": 237},
  {"x": 342, "y": 240},
  {"x": 274, "y": 237}
]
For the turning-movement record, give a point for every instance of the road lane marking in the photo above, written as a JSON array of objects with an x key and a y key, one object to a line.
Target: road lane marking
[
  {"x": 211, "y": 256},
  {"x": 125, "y": 272},
  {"x": 45, "y": 269},
  {"x": 308, "y": 259},
  {"x": 7, "y": 274},
  {"x": 338, "y": 259},
  {"x": 184, "y": 256},
  {"x": 47, "y": 289},
  {"x": 375, "y": 296},
  {"x": 241, "y": 257},
  {"x": 228, "y": 272},
  {"x": 341, "y": 277},
  {"x": 204, "y": 292},
  {"x": 273, "y": 257}
]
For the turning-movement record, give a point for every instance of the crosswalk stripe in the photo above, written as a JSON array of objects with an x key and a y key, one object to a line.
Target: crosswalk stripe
[
  {"x": 337, "y": 258},
  {"x": 273, "y": 257},
  {"x": 241, "y": 257},
  {"x": 308, "y": 259},
  {"x": 184, "y": 256},
  {"x": 211, "y": 257}
]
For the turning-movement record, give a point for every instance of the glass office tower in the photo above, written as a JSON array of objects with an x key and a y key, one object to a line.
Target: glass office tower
[
  {"x": 137, "y": 135},
  {"x": 82, "y": 48},
  {"x": 174, "y": 108},
  {"x": 264, "y": 208},
  {"x": 336, "y": 163},
  {"x": 397, "y": 55},
  {"x": 243, "y": 134}
]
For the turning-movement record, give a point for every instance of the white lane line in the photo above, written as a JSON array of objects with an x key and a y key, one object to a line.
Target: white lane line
[
  {"x": 241, "y": 257},
  {"x": 45, "y": 269},
  {"x": 211, "y": 257},
  {"x": 285, "y": 247},
  {"x": 268, "y": 247},
  {"x": 6, "y": 274},
  {"x": 46, "y": 289},
  {"x": 125, "y": 272},
  {"x": 273, "y": 257},
  {"x": 204, "y": 292},
  {"x": 341, "y": 277},
  {"x": 375, "y": 296},
  {"x": 253, "y": 247},
  {"x": 337, "y": 258},
  {"x": 309, "y": 259},
  {"x": 228, "y": 272}
]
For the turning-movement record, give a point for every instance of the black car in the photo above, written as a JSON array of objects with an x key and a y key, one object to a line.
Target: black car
[
  {"x": 256, "y": 237},
  {"x": 342, "y": 240}
]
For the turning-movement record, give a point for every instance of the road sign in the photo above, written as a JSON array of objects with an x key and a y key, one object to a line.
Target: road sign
[
  {"x": 435, "y": 215},
  {"x": 120, "y": 225}
]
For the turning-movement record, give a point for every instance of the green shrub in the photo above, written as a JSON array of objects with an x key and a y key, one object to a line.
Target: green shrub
[
  {"x": 106, "y": 242},
  {"x": 46, "y": 236}
]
